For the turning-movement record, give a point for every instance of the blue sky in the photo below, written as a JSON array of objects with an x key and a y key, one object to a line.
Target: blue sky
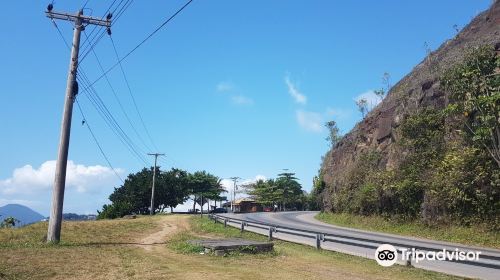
[{"x": 237, "y": 88}]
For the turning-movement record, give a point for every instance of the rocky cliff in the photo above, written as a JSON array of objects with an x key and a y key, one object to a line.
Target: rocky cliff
[{"x": 419, "y": 89}]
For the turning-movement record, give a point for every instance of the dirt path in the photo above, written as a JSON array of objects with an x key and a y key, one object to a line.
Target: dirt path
[{"x": 169, "y": 225}]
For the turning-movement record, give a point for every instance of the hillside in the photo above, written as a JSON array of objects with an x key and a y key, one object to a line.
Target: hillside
[
  {"x": 22, "y": 213},
  {"x": 376, "y": 145}
]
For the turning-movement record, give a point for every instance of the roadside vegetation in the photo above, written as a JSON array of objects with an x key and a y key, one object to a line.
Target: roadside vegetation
[
  {"x": 112, "y": 249},
  {"x": 280, "y": 194},
  {"x": 447, "y": 182},
  {"x": 475, "y": 236}
]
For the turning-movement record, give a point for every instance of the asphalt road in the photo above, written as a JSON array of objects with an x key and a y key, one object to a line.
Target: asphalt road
[{"x": 363, "y": 243}]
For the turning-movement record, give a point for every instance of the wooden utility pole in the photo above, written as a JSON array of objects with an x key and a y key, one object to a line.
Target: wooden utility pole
[
  {"x": 234, "y": 192},
  {"x": 79, "y": 20},
  {"x": 152, "y": 210}
]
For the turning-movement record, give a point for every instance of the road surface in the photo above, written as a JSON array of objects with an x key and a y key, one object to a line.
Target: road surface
[{"x": 363, "y": 243}]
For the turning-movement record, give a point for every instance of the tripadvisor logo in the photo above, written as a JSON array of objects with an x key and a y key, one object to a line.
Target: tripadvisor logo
[{"x": 387, "y": 255}]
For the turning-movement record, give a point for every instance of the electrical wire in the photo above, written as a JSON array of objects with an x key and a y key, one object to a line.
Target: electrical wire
[
  {"x": 142, "y": 42},
  {"x": 102, "y": 32},
  {"x": 97, "y": 27},
  {"x": 85, "y": 5},
  {"x": 120, "y": 103},
  {"x": 97, "y": 142},
  {"x": 131, "y": 94},
  {"x": 113, "y": 124},
  {"x": 103, "y": 111}
]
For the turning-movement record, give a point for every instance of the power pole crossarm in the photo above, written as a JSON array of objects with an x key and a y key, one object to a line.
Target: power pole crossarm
[
  {"x": 55, "y": 221},
  {"x": 152, "y": 209},
  {"x": 84, "y": 19}
]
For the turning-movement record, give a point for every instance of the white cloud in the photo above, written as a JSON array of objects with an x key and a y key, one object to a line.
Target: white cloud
[
  {"x": 233, "y": 93},
  {"x": 339, "y": 113},
  {"x": 370, "y": 96},
  {"x": 310, "y": 121},
  {"x": 29, "y": 180},
  {"x": 224, "y": 87},
  {"x": 253, "y": 180},
  {"x": 228, "y": 184},
  {"x": 241, "y": 100},
  {"x": 294, "y": 92}
]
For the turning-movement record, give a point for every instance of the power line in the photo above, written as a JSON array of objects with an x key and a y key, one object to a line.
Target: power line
[
  {"x": 101, "y": 108},
  {"x": 131, "y": 94},
  {"x": 120, "y": 104},
  {"x": 122, "y": 10},
  {"x": 104, "y": 112},
  {"x": 112, "y": 124},
  {"x": 97, "y": 142},
  {"x": 84, "y": 5},
  {"x": 95, "y": 28},
  {"x": 108, "y": 11},
  {"x": 98, "y": 36},
  {"x": 142, "y": 42}
]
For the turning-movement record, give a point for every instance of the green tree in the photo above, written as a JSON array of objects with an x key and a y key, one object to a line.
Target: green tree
[
  {"x": 386, "y": 80},
  {"x": 203, "y": 186},
  {"x": 264, "y": 192},
  {"x": 173, "y": 189},
  {"x": 333, "y": 133},
  {"x": 362, "y": 104},
  {"x": 474, "y": 90},
  {"x": 134, "y": 196},
  {"x": 380, "y": 93},
  {"x": 9, "y": 222},
  {"x": 316, "y": 195},
  {"x": 290, "y": 190}
]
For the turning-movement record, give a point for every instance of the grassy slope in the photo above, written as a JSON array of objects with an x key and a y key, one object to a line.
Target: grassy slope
[
  {"x": 108, "y": 250},
  {"x": 477, "y": 236},
  {"x": 89, "y": 250}
]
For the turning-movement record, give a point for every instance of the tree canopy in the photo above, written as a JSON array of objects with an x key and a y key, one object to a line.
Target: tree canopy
[
  {"x": 172, "y": 188},
  {"x": 284, "y": 191}
]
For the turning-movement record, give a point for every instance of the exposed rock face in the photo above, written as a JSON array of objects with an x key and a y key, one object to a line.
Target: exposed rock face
[{"x": 417, "y": 90}]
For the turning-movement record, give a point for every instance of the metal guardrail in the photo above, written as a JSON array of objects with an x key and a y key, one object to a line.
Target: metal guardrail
[{"x": 322, "y": 237}]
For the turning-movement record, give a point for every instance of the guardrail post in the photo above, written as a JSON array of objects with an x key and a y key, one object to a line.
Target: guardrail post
[
  {"x": 225, "y": 222},
  {"x": 215, "y": 219},
  {"x": 318, "y": 241},
  {"x": 270, "y": 235},
  {"x": 242, "y": 226},
  {"x": 408, "y": 261}
]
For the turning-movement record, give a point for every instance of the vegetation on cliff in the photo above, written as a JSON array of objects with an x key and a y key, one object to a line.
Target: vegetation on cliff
[{"x": 449, "y": 167}]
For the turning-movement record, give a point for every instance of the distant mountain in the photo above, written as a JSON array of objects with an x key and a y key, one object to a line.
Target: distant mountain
[{"x": 22, "y": 213}]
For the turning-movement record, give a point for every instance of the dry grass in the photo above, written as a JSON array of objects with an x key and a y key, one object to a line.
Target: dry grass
[{"x": 112, "y": 250}]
